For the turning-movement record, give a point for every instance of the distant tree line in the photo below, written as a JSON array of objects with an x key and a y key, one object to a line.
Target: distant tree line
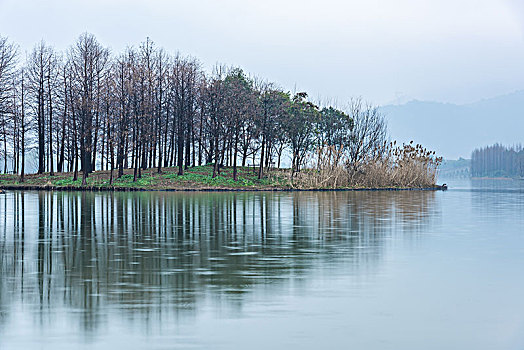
[
  {"x": 498, "y": 160},
  {"x": 87, "y": 109}
]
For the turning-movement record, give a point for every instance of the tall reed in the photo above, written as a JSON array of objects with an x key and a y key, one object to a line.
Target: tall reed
[{"x": 406, "y": 166}]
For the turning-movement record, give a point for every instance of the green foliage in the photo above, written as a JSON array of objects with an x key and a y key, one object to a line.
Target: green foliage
[
  {"x": 334, "y": 128},
  {"x": 67, "y": 182},
  {"x": 219, "y": 181},
  {"x": 298, "y": 126},
  {"x": 126, "y": 180},
  {"x": 8, "y": 179},
  {"x": 169, "y": 176},
  {"x": 237, "y": 78}
]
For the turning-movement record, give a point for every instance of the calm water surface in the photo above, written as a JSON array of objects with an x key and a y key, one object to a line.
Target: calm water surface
[{"x": 363, "y": 270}]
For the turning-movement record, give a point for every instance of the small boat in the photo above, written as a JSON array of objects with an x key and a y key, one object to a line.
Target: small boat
[{"x": 444, "y": 187}]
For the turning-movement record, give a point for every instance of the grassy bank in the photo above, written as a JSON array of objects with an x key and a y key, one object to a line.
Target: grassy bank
[{"x": 196, "y": 178}]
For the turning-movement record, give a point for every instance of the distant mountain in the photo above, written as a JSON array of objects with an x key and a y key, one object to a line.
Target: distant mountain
[{"x": 455, "y": 130}]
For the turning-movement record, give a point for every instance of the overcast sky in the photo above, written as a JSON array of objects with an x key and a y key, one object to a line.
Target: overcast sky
[{"x": 443, "y": 50}]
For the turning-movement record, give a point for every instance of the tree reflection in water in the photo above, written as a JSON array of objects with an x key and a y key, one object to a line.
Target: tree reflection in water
[{"x": 157, "y": 255}]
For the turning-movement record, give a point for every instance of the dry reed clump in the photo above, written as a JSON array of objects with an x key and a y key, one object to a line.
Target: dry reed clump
[
  {"x": 327, "y": 170},
  {"x": 404, "y": 166}
]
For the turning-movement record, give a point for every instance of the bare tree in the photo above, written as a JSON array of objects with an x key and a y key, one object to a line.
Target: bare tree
[
  {"x": 41, "y": 66},
  {"x": 23, "y": 124},
  {"x": 89, "y": 61},
  {"x": 369, "y": 133}
]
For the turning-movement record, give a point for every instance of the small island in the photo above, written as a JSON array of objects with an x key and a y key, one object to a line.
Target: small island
[
  {"x": 143, "y": 119},
  {"x": 198, "y": 178}
]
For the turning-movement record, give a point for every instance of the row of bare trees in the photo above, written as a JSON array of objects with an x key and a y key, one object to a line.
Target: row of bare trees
[
  {"x": 87, "y": 109},
  {"x": 498, "y": 160}
]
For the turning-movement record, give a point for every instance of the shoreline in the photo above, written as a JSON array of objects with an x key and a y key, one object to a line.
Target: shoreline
[
  {"x": 208, "y": 189},
  {"x": 195, "y": 179}
]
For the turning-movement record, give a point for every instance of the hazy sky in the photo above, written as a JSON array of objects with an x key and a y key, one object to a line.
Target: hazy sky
[{"x": 444, "y": 50}]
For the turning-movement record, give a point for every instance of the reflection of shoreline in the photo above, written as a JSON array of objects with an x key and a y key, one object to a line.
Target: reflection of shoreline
[{"x": 164, "y": 253}]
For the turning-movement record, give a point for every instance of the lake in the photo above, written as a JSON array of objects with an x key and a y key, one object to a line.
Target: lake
[{"x": 302, "y": 270}]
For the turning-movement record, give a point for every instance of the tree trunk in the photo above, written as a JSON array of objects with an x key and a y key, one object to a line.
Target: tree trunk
[
  {"x": 235, "y": 153},
  {"x": 261, "y": 165}
]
